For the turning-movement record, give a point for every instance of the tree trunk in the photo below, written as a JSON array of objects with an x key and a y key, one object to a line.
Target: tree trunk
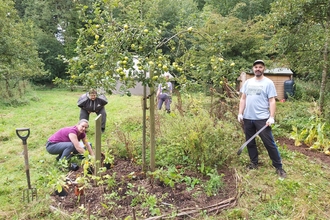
[{"x": 325, "y": 69}]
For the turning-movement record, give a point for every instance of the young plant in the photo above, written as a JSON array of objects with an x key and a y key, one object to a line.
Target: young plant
[
  {"x": 214, "y": 183},
  {"x": 110, "y": 201},
  {"x": 168, "y": 177},
  {"x": 88, "y": 164},
  {"x": 56, "y": 180},
  {"x": 63, "y": 164},
  {"x": 110, "y": 180},
  {"x": 108, "y": 157},
  {"x": 297, "y": 136},
  {"x": 82, "y": 182},
  {"x": 150, "y": 202},
  {"x": 191, "y": 182}
]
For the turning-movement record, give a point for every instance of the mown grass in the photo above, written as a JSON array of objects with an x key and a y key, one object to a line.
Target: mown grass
[
  {"x": 51, "y": 110},
  {"x": 302, "y": 195}
]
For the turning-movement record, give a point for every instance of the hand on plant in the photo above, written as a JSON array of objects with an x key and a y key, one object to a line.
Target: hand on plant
[{"x": 270, "y": 121}]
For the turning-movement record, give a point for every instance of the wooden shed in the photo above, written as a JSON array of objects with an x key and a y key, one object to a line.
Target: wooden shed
[{"x": 280, "y": 77}]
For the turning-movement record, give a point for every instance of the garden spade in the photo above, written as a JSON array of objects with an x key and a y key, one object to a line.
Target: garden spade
[
  {"x": 29, "y": 193},
  {"x": 251, "y": 138}
]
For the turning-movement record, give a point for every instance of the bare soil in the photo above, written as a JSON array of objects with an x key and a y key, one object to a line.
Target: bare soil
[{"x": 179, "y": 199}]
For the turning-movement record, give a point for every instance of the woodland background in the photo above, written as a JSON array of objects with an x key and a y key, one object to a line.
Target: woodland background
[
  {"x": 201, "y": 42},
  {"x": 52, "y": 51}
]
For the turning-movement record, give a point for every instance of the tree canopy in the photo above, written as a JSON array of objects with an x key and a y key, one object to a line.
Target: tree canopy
[
  {"x": 18, "y": 51},
  {"x": 82, "y": 42}
]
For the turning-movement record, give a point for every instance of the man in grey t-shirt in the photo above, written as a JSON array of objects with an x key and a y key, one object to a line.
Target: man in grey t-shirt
[{"x": 256, "y": 109}]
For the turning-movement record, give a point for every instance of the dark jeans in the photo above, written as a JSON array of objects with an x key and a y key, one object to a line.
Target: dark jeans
[
  {"x": 85, "y": 115},
  {"x": 250, "y": 128},
  {"x": 63, "y": 149},
  {"x": 164, "y": 98}
]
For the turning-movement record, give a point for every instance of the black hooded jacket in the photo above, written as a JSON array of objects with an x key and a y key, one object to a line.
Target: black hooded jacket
[{"x": 86, "y": 103}]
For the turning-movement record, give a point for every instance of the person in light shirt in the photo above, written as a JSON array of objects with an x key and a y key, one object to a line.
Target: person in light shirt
[
  {"x": 164, "y": 94},
  {"x": 256, "y": 109}
]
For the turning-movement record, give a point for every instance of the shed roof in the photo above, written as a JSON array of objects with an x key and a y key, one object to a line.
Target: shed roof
[{"x": 276, "y": 71}]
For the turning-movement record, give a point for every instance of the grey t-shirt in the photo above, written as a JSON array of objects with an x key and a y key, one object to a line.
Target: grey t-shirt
[
  {"x": 165, "y": 88},
  {"x": 257, "y": 94}
]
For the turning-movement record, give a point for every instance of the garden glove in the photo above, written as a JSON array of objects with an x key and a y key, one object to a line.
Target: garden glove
[
  {"x": 240, "y": 117},
  {"x": 270, "y": 121}
]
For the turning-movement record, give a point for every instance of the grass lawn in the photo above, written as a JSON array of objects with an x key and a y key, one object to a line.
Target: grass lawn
[
  {"x": 302, "y": 195},
  {"x": 52, "y": 110}
]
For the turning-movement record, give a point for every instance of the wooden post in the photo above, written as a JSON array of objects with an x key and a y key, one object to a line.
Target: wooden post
[
  {"x": 98, "y": 133},
  {"x": 144, "y": 132},
  {"x": 152, "y": 125}
]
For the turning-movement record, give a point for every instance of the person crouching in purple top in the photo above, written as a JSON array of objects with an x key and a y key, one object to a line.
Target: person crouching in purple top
[{"x": 65, "y": 142}]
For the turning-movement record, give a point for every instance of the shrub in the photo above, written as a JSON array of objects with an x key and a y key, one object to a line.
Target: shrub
[
  {"x": 292, "y": 113},
  {"x": 306, "y": 91},
  {"x": 196, "y": 140}
]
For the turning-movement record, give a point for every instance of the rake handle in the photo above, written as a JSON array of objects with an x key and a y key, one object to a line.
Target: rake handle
[{"x": 23, "y": 137}]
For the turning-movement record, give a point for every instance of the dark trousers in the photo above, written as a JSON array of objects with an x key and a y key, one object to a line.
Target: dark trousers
[
  {"x": 85, "y": 115},
  {"x": 164, "y": 98},
  {"x": 250, "y": 128}
]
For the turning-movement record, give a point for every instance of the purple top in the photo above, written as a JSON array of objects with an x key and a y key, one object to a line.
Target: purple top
[{"x": 62, "y": 135}]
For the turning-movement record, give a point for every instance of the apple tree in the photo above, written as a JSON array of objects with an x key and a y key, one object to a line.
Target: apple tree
[
  {"x": 110, "y": 49},
  {"x": 219, "y": 49}
]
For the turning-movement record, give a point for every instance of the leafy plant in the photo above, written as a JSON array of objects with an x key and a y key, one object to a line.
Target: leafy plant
[
  {"x": 168, "y": 177},
  {"x": 82, "y": 182},
  {"x": 215, "y": 183},
  {"x": 151, "y": 203},
  {"x": 298, "y": 136},
  {"x": 110, "y": 201},
  {"x": 191, "y": 182},
  {"x": 56, "y": 180},
  {"x": 140, "y": 196},
  {"x": 313, "y": 134},
  {"x": 108, "y": 156},
  {"x": 110, "y": 180},
  {"x": 202, "y": 141},
  {"x": 63, "y": 164},
  {"x": 88, "y": 164}
]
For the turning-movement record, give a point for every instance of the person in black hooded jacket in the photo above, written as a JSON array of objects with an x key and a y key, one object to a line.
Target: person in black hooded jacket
[{"x": 92, "y": 102}]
